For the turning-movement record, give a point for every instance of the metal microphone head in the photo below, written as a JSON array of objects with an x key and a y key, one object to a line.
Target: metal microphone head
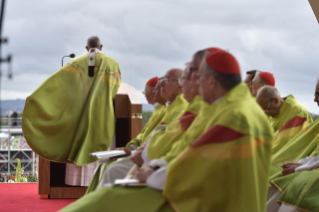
[{"x": 72, "y": 55}]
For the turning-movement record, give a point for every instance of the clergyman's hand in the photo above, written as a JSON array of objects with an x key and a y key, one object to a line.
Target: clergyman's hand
[
  {"x": 143, "y": 173},
  {"x": 127, "y": 151},
  {"x": 289, "y": 168},
  {"x": 137, "y": 157}
]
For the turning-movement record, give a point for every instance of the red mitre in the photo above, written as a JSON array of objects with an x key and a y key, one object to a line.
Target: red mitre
[
  {"x": 268, "y": 78},
  {"x": 223, "y": 62},
  {"x": 152, "y": 82}
]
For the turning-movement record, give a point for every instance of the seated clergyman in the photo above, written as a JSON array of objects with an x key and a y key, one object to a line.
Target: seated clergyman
[
  {"x": 159, "y": 111},
  {"x": 300, "y": 152},
  {"x": 261, "y": 79},
  {"x": 226, "y": 165},
  {"x": 287, "y": 117},
  {"x": 176, "y": 104},
  {"x": 166, "y": 145}
]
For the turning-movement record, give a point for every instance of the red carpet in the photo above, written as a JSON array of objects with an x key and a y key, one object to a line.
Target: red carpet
[{"x": 23, "y": 197}]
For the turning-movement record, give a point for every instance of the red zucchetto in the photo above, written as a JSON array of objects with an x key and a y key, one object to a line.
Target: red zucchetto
[
  {"x": 223, "y": 62},
  {"x": 268, "y": 78},
  {"x": 152, "y": 82}
]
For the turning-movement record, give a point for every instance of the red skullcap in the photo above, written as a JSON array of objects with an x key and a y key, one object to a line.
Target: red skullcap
[
  {"x": 268, "y": 78},
  {"x": 152, "y": 82},
  {"x": 223, "y": 62}
]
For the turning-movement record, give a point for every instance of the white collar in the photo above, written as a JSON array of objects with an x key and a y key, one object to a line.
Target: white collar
[
  {"x": 157, "y": 105},
  {"x": 217, "y": 100},
  {"x": 96, "y": 50}
]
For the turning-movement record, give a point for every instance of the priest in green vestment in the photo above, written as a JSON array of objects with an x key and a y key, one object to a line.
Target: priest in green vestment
[
  {"x": 287, "y": 186},
  {"x": 71, "y": 114},
  {"x": 160, "y": 148},
  {"x": 287, "y": 117},
  {"x": 171, "y": 91},
  {"x": 153, "y": 97},
  {"x": 225, "y": 167}
]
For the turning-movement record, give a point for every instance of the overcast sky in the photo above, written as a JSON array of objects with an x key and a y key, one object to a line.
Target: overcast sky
[{"x": 149, "y": 37}]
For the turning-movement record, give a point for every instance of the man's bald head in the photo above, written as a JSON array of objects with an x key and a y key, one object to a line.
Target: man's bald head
[
  {"x": 170, "y": 87},
  {"x": 94, "y": 42},
  {"x": 268, "y": 92},
  {"x": 174, "y": 73},
  {"x": 268, "y": 97}
]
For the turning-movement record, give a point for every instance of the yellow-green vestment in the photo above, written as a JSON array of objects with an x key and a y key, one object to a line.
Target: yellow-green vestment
[
  {"x": 224, "y": 169},
  {"x": 71, "y": 114},
  {"x": 291, "y": 119}
]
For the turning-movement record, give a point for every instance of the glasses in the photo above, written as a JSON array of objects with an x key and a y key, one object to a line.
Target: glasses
[
  {"x": 143, "y": 92},
  {"x": 181, "y": 80},
  {"x": 166, "y": 80},
  {"x": 191, "y": 70}
]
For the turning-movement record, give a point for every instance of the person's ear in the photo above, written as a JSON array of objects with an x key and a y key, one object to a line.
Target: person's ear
[
  {"x": 87, "y": 48},
  {"x": 212, "y": 81},
  {"x": 101, "y": 47},
  {"x": 275, "y": 100}
]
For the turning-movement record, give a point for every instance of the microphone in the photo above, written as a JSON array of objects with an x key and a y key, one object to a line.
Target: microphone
[{"x": 71, "y": 55}]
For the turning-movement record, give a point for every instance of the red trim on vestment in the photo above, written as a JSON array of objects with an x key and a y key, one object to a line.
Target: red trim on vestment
[
  {"x": 295, "y": 122},
  {"x": 187, "y": 119},
  {"x": 217, "y": 134}
]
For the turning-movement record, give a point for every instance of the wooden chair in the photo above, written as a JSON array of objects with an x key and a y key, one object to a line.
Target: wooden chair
[{"x": 128, "y": 110}]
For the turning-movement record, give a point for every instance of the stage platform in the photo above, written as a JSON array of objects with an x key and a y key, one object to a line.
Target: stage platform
[{"x": 24, "y": 197}]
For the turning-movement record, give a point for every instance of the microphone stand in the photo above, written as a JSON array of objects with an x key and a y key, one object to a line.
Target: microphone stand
[{"x": 71, "y": 55}]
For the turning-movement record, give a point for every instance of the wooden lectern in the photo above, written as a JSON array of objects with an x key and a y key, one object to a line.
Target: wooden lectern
[{"x": 128, "y": 110}]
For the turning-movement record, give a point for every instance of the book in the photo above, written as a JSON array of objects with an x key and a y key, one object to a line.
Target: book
[
  {"x": 128, "y": 182},
  {"x": 107, "y": 154}
]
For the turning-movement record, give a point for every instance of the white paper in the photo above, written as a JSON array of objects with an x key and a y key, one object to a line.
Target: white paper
[
  {"x": 126, "y": 181},
  {"x": 107, "y": 154}
]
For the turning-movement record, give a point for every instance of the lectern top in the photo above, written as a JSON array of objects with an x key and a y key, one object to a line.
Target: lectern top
[{"x": 131, "y": 92}]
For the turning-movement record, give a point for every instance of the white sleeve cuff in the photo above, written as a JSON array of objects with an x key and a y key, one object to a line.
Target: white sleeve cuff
[
  {"x": 304, "y": 160},
  {"x": 158, "y": 179},
  {"x": 311, "y": 162}
]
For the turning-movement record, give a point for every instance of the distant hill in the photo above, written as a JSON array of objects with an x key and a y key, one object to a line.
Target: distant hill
[
  {"x": 18, "y": 104},
  {"x": 147, "y": 107}
]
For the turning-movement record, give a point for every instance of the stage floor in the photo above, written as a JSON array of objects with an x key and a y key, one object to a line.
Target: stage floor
[{"x": 23, "y": 197}]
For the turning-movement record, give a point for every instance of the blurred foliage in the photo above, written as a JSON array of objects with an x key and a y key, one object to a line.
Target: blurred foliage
[
  {"x": 314, "y": 116},
  {"x": 146, "y": 116}
]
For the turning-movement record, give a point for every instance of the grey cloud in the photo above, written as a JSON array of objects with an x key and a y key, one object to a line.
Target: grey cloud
[{"x": 149, "y": 37}]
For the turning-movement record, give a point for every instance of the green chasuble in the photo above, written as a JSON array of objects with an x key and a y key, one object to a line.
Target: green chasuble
[
  {"x": 226, "y": 167},
  {"x": 162, "y": 141},
  {"x": 238, "y": 167},
  {"x": 291, "y": 119},
  {"x": 71, "y": 114},
  {"x": 154, "y": 120},
  {"x": 302, "y": 191},
  {"x": 304, "y": 144},
  {"x": 170, "y": 113},
  {"x": 175, "y": 109}
]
